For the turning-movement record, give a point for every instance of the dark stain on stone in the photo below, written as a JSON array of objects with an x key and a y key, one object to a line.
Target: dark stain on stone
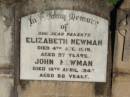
[{"x": 24, "y": 84}]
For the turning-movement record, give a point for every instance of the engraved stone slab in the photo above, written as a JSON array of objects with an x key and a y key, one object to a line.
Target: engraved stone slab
[{"x": 63, "y": 45}]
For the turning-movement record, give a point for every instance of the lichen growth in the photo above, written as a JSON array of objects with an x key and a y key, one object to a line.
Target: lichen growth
[{"x": 114, "y": 2}]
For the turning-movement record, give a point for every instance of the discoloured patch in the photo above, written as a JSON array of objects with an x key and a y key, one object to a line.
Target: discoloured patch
[
  {"x": 33, "y": 6},
  {"x": 57, "y": 89}
]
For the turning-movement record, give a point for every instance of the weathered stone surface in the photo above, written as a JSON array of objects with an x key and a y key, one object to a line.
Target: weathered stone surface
[
  {"x": 126, "y": 5},
  {"x": 121, "y": 56},
  {"x": 121, "y": 74},
  {"x": 6, "y": 35},
  {"x": 7, "y": 1},
  {"x": 56, "y": 89},
  {"x": 121, "y": 86},
  {"x": 6, "y": 49},
  {"x": 93, "y": 6},
  {"x": 6, "y": 86}
]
